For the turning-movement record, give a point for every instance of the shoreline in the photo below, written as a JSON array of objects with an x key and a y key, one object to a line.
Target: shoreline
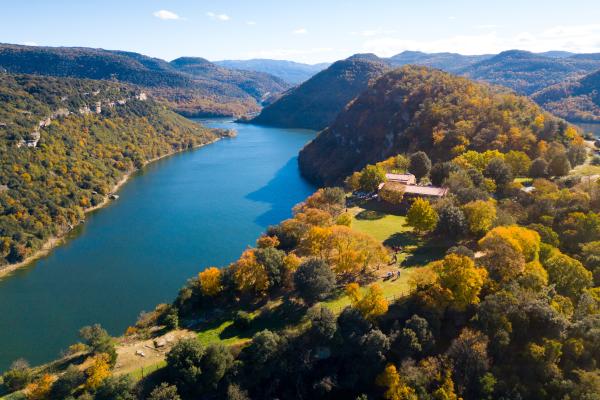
[{"x": 54, "y": 241}]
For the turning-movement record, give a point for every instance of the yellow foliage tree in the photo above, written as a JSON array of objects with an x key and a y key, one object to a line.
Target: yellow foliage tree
[
  {"x": 98, "y": 371},
  {"x": 422, "y": 216},
  {"x": 446, "y": 390},
  {"x": 460, "y": 279},
  {"x": 372, "y": 304},
  {"x": 40, "y": 389},
  {"x": 480, "y": 216},
  {"x": 395, "y": 387},
  {"x": 249, "y": 275},
  {"x": 210, "y": 281}
]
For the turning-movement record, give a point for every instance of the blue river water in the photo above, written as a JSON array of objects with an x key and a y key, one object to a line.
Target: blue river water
[{"x": 173, "y": 219}]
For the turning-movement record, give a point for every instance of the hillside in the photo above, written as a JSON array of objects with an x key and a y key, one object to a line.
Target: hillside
[
  {"x": 257, "y": 84},
  {"x": 315, "y": 103},
  {"x": 64, "y": 145},
  {"x": 526, "y": 72},
  {"x": 191, "y": 94},
  {"x": 449, "y": 62},
  {"x": 576, "y": 100},
  {"x": 289, "y": 71},
  {"x": 416, "y": 108}
]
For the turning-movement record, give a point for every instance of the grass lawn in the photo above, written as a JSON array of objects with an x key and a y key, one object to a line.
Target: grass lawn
[
  {"x": 585, "y": 170},
  {"x": 392, "y": 230},
  {"x": 393, "y": 289},
  {"x": 524, "y": 181}
]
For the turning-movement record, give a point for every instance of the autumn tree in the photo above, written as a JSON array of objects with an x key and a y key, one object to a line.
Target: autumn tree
[
  {"x": 518, "y": 161},
  {"x": 507, "y": 249},
  {"x": 40, "y": 389},
  {"x": 421, "y": 216},
  {"x": 392, "y": 192},
  {"x": 210, "y": 281},
  {"x": 249, "y": 275},
  {"x": 371, "y": 177},
  {"x": 98, "y": 371},
  {"x": 460, "y": 280},
  {"x": 480, "y": 216},
  {"x": 371, "y": 304},
  {"x": 395, "y": 387},
  {"x": 568, "y": 274}
]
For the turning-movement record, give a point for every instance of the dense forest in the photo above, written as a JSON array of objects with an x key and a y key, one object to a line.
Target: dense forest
[
  {"x": 415, "y": 108},
  {"x": 213, "y": 91},
  {"x": 315, "y": 103},
  {"x": 574, "y": 100},
  {"x": 64, "y": 143}
]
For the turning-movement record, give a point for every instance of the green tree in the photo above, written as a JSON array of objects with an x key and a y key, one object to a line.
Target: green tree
[
  {"x": 559, "y": 165},
  {"x": 422, "y": 216},
  {"x": 164, "y": 391},
  {"x": 314, "y": 280},
  {"x": 419, "y": 165},
  {"x": 99, "y": 341},
  {"x": 371, "y": 177},
  {"x": 184, "y": 363}
]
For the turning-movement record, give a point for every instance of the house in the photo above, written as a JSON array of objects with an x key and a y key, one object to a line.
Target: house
[
  {"x": 405, "y": 179},
  {"x": 412, "y": 190}
]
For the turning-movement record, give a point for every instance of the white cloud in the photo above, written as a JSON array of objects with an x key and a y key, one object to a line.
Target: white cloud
[
  {"x": 30, "y": 43},
  {"x": 218, "y": 17},
  {"x": 251, "y": 23},
  {"x": 166, "y": 15},
  {"x": 576, "y": 38},
  {"x": 300, "y": 31},
  {"x": 452, "y": 17}
]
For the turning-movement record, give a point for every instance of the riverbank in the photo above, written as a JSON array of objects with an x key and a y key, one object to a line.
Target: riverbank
[{"x": 55, "y": 241}]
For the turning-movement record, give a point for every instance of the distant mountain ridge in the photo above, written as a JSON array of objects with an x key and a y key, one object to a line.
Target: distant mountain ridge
[
  {"x": 218, "y": 91},
  {"x": 289, "y": 71},
  {"x": 315, "y": 103},
  {"x": 527, "y": 72}
]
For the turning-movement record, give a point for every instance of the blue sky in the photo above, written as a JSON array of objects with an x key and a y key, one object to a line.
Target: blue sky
[{"x": 305, "y": 31}]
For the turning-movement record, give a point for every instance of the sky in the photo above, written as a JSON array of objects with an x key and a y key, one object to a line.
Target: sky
[{"x": 305, "y": 31}]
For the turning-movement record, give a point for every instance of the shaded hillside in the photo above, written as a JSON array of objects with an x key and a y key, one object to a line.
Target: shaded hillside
[
  {"x": 576, "y": 100},
  {"x": 315, "y": 103},
  {"x": 65, "y": 142},
  {"x": 446, "y": 61},
  {"x": 527, "y": 72},
  {"x": 290, "y": 71},
  {"x": 416, "y": 108},
  {"x": 213, "y": 94},
  {"x": 258, "y": 84}
]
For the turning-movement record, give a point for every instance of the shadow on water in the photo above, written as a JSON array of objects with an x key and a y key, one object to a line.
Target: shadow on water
[{"x": 279, "y": 194}]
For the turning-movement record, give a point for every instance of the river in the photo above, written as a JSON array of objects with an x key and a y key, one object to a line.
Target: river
[{"x": 174, "y": 218}]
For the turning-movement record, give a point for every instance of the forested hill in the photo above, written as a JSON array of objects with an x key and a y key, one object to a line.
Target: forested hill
[
  {"x": 315, "y": 103},
  {"x": 416, "y": 108},
  {"x": 229, "y": 92},
  {"x": 291, "y": 72},
  {"x": 257, "y": 84},
  {"x": 65, "y": 142},
  {"x": 526, "y": 72},
  {"x": 575, "y": 100}
]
